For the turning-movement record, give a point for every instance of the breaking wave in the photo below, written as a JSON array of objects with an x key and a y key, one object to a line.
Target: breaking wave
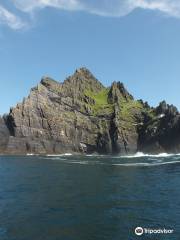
[
  {"x": 141, "y": 154},
  {"x": 137, "y": 160},
  {"x": 136, "y": 164},
  {"x": 59, "y": 155},
  {"x": 136, "y": 155}
]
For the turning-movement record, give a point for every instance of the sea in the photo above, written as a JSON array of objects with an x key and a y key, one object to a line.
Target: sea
[{"x": 92, "y": 197}]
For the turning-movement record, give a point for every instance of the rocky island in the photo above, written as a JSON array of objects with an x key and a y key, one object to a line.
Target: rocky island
[{"x": 80, "y": 115}]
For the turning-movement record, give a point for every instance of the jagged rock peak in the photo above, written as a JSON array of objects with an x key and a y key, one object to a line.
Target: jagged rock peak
[
  {"x": 84, "y": 79},
  {"x": 165, "y": 108},
  {"x": 118, "y": 91},
  {"x": 162, "y": 108},
  {"x": 84, "y": 71},
  {"x": 48, "y": 81}
]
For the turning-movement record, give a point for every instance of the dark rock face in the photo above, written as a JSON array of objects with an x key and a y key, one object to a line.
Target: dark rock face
[
  {"x": 80, "y": 115},
  {"x": 161, "y": 133},
  {"x": 4, "y": 134}
]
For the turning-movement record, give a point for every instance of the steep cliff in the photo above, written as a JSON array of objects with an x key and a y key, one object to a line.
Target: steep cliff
[
  {"x": 4, "y": 135},
  {"x": 80, "y": 115},
  {"x": 161, "y": 131}
]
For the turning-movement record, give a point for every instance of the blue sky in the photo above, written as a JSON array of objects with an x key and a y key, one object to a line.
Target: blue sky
[{"x": 136, "y": 42}]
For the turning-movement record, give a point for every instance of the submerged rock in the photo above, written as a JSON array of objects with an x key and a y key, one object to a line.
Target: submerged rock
[{"x": 80, "y": 115}]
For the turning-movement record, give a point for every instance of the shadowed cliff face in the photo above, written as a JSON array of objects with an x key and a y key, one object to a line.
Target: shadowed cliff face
[
  {"x": 161, "y": 132},
  {"x": 81, "y": 115},
  {"x": 4, "y": 135}
]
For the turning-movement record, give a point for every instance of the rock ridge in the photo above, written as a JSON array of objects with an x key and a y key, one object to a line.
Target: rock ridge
[{"x": 81, "y": 115}]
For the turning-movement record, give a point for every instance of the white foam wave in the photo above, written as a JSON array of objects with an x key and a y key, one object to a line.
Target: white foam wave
[
  {"x": 92, "y": 155},
  {"x": 58, "y": 159},
  {"x": 144, "y": 164},
  {"x": 136, "y": 155},
  {"x": 135, "y": 164},
  {"x": 141, "y": 154},
  {"x": 59, "y": 155}
]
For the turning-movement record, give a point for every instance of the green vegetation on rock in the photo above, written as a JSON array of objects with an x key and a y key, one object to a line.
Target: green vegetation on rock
[
  {"x": 129, "y": 111},
  {"x": 100, "y": 105}
]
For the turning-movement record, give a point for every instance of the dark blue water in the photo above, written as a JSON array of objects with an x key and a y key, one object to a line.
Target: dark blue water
[{"x": 88, "y": 198}]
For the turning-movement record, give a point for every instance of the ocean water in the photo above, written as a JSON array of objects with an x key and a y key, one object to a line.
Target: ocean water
[{"x": 89, "y": 197}]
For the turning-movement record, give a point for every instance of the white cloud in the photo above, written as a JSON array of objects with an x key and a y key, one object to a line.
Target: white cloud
[
  {"x": 30, "y": 5},
  {"x": 116, "y": 8},
  {"x": 169, "y": 7},
  {"x": 8, "y": 18},
  {"x": 113, "y": 8}
]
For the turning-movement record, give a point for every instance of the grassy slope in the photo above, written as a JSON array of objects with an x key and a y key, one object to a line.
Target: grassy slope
[
  {"x": 128, "y": 109},
  {"x": 101, "y": 106}
]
